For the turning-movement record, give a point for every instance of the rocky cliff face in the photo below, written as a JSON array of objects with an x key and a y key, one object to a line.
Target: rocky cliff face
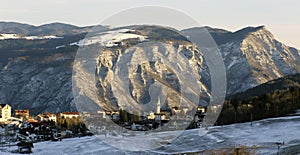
[
  {"x": 139, "y": 64},
  {"x": 36, "y": 74},
  {"x": 257, "y": 59},
  {"x": 40, "y": 84},
  {"x": 253, "y": 56}
]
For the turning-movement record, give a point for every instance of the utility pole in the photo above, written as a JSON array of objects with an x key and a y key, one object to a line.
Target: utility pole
[
  {"x": 235, "y": 116},
  {"x": 251, "y": 118},
  {"x": 279, "y": 144}
]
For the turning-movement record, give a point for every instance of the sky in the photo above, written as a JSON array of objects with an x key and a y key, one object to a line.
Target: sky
[{"x": 281, "y": 17}]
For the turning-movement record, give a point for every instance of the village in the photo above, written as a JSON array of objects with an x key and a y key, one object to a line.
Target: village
[
  {"x": 178, "y": 118},
  {"x": 22, "y": 129}
]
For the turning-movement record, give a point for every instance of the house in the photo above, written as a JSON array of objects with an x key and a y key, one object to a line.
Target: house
[
  {"x": 31, "y": 119},
  {"x": 22, "y": 114},
  {"x": 13, "y": 120},
  {"x": 165, "y": 115},
  {"x": 157, "y": 117},
  {"x": 40, "y": 118},
  {"x": 176, "y": 110},
  {"x": 51, "y": 117},
  {"x": 65, "y": 115},
  {"x": 185, "y": 110},
  {"x": 201, "y": 109},
  {"x": 86, "y": 114},
  {"x": 162, "y": 116},
  {"x": 151, "y": 116},
  {"x": 46, "y": 117},
  {"x": 5, "y": 112},
  {"x": 102, "y": 114},
  {"x": 200, "y": 114}
]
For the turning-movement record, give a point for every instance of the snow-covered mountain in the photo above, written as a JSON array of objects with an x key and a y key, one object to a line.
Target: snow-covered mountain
[
  {"x": 253, "y": 56},
  {"x": 134, "y": 44},
  {"x": 36, "y": 74}
]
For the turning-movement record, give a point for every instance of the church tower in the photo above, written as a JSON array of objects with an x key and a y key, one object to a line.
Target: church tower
[{"x": 158, "y": 106}]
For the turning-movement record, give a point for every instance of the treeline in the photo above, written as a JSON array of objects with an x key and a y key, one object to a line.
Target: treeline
[
  {"x": 274, "y": 104},
  {"x": 75, "y": 124},
  {"x": 125, "y": 116}
]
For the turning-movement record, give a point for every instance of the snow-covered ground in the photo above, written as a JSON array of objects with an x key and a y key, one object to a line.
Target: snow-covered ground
[
  {"x": 108, "y": 38},
  {"x": 17, "y": 36},
  {"x": 264, "y": 134},
  {"x": 111, "y": 38}
]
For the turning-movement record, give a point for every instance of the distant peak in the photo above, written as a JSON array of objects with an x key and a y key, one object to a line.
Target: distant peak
[
  {"x": 58, "y": 24},
  {"x": 219, "y": 30},
  {"x": 261, "y": 27},
  {"x": 207, "y": 28},
  {"x": 250, "y": 29},
  {"x": 245, "y": 32}
]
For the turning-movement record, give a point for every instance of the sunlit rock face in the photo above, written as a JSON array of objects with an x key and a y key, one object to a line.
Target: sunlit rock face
[
  {"x": 36, "y": 74},
  {"x": 253, "y": 56},
  {"x": 140, "y": 59}
]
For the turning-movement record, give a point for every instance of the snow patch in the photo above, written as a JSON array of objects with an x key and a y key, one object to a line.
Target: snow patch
[
  {"x": 74, "y": 44},
  {"x": 111, "y": 38},
  {"x": 41, "y": 37},
  {"x": 233, "y": 62},
  {"x": 62, "y": 46},
  {"x": 9, "y": 36},
  {"x": 17, "y": 36}
]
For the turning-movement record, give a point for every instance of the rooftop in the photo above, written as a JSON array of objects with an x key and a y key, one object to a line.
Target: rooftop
[{"x": 70, "y": 113}]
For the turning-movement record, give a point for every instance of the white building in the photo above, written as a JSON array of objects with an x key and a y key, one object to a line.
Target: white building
[
  {"x": 65, "y": 115},
  {"x": 5, "y": 112},
  {"x": 52, "y": 117},
  {"x": 47, "y": 117},
  {"x": 22, "y": 114},
  {"x": 151, "y": 116}
]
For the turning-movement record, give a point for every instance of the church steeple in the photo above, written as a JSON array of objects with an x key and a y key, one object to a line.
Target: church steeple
[{"x": 158, "y": 106}]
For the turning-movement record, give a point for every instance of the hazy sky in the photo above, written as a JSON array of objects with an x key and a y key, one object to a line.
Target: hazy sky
[{"x": 280, "y": 16}]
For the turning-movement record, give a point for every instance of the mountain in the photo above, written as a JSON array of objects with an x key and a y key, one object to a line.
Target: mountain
[
  {"x": 253, "y": 56},
  {"x": 16, "y": 28},
  {"x": 143, "y": 74},
  {"x": 36, "y": 74},
  {"x": 281, "y": 84},
  {"x": 54, "y": 29}
]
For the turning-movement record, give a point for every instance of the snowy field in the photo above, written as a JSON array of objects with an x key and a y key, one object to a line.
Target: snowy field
[{"x": 264, "y": 134}]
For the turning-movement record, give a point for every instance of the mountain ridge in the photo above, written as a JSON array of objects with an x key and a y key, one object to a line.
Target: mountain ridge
[
  {"x": 219, "y": 34},
  {"x": 55, "y": 28},
  {"x": 269, "y": 87},
  {"x": 252, "y": 56}
]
